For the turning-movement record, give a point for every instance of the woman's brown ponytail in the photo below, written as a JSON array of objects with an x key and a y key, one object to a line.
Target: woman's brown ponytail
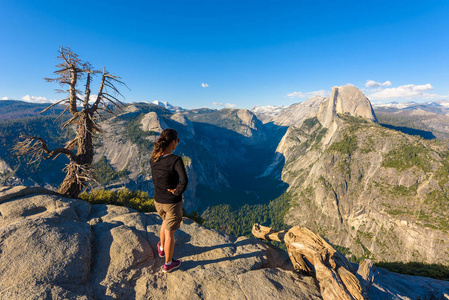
[{"x": 167, "y": 136}]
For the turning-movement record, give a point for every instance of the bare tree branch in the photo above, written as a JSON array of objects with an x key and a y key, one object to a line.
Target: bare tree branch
[
  {"x": 70, "y": 144},
  {"x": 87, "y": 93},
  {"x": 72, "y": 120},
  {"x": 66, "y": 108},
  {"x": 111, "y": 85},
  {"x": 100, "y": 93},
  {"x": 110, "y": 96},
  {"x": 110, "y": 100},
  {"x": 53, "y": 105},
  {"x": 37, "y": 147}
]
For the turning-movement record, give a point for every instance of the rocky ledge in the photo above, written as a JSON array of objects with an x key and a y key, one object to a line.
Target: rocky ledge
[{"x": 57, "y": 248}]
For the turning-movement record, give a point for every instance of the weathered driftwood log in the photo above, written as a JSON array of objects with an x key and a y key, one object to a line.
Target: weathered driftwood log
[
  {"x": 266, "y": 233},
  {"x": 334, "y": 272}
]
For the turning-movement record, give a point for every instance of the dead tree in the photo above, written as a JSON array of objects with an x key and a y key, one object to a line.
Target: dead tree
[
  {"x": 85, "y": 114},
  {"x": 311, "y": 254}
]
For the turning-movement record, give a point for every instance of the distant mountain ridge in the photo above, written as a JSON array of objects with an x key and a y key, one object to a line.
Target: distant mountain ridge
[
  {"x": 431, "y": 119},
  {"x": 15, "y": 109},
  {"x": 350, "y": 177},
  {"x": 412, "y": 105}
]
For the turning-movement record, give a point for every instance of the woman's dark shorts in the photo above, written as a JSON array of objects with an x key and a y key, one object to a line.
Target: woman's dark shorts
[{"x": 171, "y": 213}]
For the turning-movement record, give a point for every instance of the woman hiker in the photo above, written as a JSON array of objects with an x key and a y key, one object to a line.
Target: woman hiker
[{"x": 170, "y": 181}]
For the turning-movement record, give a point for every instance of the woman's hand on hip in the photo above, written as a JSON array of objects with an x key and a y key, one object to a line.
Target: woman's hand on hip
[{"x": 171, "y": 191}]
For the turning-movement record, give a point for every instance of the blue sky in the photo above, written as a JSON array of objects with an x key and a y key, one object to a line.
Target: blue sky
[{"x": 234, "y": 53}]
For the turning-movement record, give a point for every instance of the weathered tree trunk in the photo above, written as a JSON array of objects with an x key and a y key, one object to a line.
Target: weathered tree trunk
[
  {"x": 78, "y": 172},
  {"x": 71, "y": 186},
  {"x": 334, "y": 272}
]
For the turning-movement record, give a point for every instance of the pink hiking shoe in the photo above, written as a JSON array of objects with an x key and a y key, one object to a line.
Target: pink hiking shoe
[
  {"x": 175, "y": 263},
  {"x": 161, "y": 253}
]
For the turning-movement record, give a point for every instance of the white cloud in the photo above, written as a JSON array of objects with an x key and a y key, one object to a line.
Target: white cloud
[
  {"x": 321, "y": 93},
  {"x": 408, "y": 91},
  {"x": 37, "y": 99},
  {"x": 6, "y": 98},
  {"x": 374, "y": 84},
  {"x": 433, "y": 96},
  {"x": 227, "y": 105},
  {"x": 204, "y": 85},
  {"x": 92, "y": 98}
]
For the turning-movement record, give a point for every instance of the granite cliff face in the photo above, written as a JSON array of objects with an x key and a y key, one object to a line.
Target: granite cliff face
[
  {"x": 58, "y": 248},
  {"x": 295, "y": 114},
  {"x": 345, "y": 100},
  {"x": 378, "y": 192}
]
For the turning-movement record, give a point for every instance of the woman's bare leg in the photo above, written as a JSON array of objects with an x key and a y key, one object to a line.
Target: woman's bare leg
[
  {"x": 169, "y": 245},
  {"x": 162, "y": 235}
]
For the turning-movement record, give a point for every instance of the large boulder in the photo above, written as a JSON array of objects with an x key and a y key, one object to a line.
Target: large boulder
[
  {"x": 45, "y": 246},
  {"x": 57, "y": 248}
]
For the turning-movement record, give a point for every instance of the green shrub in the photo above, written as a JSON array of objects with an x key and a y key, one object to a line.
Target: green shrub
[
  {"x": 193, "y": 215},
  {"x": 353, "y": 120},
  {"x": 319, "y": 134},
  {"x": 417, "y": 269},
  {"x": 400, "y": 190},
  {"x": 407, "y": 156},
  {"x": 343, "y": 250},
  {"x": 104, "y": 173},
  {"x": 437, "y": 198},
  {"x": 396, "y": 212},
  {"x": 311, "y": 122},
  {"x": 186, "y": 160},
  {"x": 347, "y": 145},
  {"x": 137, "y": 200}
]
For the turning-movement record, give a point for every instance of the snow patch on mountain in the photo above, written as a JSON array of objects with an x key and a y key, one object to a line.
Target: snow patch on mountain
[
  {"x": 168, "y": 106},
  {"x": 398, "y": 105},
  {"x": 266, "y": 113},
  {"x": 271, "y": 110},
  {"x": 403, "y": 105}
]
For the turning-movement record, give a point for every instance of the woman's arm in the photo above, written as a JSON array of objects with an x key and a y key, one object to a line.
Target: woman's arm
[{"x": 183, "y": 180}]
